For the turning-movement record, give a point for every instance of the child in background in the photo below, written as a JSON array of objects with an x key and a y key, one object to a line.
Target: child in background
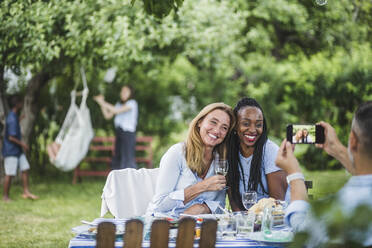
[{"x": 13, "y": 148}]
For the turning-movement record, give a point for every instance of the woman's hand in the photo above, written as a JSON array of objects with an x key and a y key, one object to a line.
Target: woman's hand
[
  {"x": 214, "y": 183},
  {"x": 99, "y": 98}
]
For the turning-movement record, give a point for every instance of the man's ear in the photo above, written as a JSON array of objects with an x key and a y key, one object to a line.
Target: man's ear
[{"x": 353, "y": 141}]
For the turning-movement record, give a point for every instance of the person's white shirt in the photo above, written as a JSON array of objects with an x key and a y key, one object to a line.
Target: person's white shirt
[
  {"x": 308, "y": 139},
  {"x": 357, "y": 191},
  {"x": 174, "y": 176},
  {"x": 294, "y": 140},
  {"x": 127, "y": 120}
]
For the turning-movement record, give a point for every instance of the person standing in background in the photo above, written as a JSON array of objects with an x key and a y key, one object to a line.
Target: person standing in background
[
  {"x": 13, "y": 150},
  {"x": 125, "y": 121}
]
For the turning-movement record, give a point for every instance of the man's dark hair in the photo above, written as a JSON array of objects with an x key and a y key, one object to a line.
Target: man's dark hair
[
  {"x": 14, "y": 100},
  {"x": 233, "y": 177},
  {"x": 363, "y": 118}
]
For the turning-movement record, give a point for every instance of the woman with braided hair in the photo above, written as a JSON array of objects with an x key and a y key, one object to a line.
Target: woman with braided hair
[{"x": 252, "y": 156}]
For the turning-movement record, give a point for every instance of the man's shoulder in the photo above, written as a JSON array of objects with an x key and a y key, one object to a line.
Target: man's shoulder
[{"x": 357, "y": 190}]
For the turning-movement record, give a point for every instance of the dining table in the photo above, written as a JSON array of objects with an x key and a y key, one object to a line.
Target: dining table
[
  {"x": 84, "y": 239},
  {"x": 86, "y": 242}
]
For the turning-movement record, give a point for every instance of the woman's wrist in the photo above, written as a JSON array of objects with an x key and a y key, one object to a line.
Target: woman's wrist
[{"x": 202, "y": 186}]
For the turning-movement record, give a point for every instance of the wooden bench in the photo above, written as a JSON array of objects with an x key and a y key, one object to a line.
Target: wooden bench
[
  {"x": 309, "y": 185},
  {"x": 102, "y": 150}
]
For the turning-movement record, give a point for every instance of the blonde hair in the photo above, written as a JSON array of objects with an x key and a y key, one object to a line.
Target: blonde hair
[{"x": 194, "y": 149}]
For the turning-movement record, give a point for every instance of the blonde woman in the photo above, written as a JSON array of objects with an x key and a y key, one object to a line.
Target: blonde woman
[
  {"x": 298, "y": 137},
  {"x": 187, "y": 182}
]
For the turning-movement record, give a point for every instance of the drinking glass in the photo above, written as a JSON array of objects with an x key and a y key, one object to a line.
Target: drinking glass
[
  {"x": 226, "y": 228},
  {"x": 267, "y": 221},
  {"x": 249, "y": 199},
  {"x": 244, "y": 223},
  {"x": 221, "y": 168}
]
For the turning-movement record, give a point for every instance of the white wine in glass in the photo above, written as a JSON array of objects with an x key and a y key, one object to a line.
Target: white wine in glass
[
  {"x": 221, "y": 168},
  {"x": 249, "y": 199}
]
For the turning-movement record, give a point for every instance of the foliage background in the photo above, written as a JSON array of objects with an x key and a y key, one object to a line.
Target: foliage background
[{"x": 303, "y": 62}]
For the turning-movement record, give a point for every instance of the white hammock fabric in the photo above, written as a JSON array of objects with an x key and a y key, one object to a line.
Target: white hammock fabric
[{"x": 76, "y": 133}]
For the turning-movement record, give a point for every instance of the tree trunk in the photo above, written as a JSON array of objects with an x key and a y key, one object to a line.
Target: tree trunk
[
  {"x": 3, "y": 105},
  {"x": 3, "y": 112},
  {"x": 30, "y": 107}
]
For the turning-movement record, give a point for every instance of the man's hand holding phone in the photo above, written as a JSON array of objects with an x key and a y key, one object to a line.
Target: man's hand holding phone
[
  {"x": 331, "y": 143},
  {"x": 286, "y": 160},
  {"x": 334, "y": 147}
]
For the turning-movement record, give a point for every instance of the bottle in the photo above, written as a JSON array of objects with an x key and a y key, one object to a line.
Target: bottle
[{"x": 267, "y": 221}]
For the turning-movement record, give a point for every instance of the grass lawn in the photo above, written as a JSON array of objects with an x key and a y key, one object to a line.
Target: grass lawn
[
  {"x": 47, "y": 222},
  {"x": 326, "y": 182}
]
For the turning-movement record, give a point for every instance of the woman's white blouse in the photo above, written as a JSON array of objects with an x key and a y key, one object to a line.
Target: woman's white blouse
[{"x": 174, "y": 177}]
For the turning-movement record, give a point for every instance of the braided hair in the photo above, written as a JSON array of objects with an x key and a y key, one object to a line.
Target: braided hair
[{"x": 234, "y": 175}]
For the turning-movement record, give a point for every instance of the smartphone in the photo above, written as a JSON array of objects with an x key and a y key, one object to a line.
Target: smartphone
[{"x": 305, "y": 134}]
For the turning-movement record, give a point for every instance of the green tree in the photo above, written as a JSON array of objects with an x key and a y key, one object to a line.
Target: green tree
[{"x": 53, "y": 39}]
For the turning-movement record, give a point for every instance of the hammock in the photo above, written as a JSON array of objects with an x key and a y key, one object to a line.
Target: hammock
[{"x": 72, "y": 142}]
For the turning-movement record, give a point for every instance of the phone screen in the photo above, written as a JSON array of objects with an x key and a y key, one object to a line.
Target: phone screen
[{"x": 305, "y": 134}]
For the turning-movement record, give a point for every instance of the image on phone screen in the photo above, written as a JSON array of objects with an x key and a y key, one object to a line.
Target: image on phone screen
[
  {"x": 301, "y": 134},
  {"x": 305, "y": 134}
]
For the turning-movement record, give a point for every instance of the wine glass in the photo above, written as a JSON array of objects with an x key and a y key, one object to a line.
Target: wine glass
[
  {"x": 249, "y": 198},
  {"x": 221, "y": 168}
]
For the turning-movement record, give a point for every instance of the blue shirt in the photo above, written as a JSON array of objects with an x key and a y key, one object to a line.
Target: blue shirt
[
  {"x": 12, "y": 128},
  {"x": 268, "y": 166},
  {"x": 174, "y": 176},
  {"x": 357, "y": 191}
]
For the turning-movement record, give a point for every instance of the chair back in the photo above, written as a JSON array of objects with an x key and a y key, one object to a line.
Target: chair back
[
  {"x": 159, "y": 236},
  {"x": 128, "y": 192},
  {"x": 186, "y": 233},
  {"x": 309, "y": 185},
  {"x": 133, "y": 234},
  {"x": 106, "y": 235},
  {"x": 208, "y": 234}
]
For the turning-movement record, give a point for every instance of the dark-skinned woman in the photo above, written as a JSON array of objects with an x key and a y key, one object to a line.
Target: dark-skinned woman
[{"x": 252, "y": 156}]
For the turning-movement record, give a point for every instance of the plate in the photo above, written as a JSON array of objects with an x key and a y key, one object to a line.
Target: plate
[
  {"x": 277, "y": 237},
  {"x": 90, "y": 231}
]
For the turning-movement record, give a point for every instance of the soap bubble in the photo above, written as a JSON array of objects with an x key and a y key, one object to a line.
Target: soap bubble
[{"x": 321, "y": 2}]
